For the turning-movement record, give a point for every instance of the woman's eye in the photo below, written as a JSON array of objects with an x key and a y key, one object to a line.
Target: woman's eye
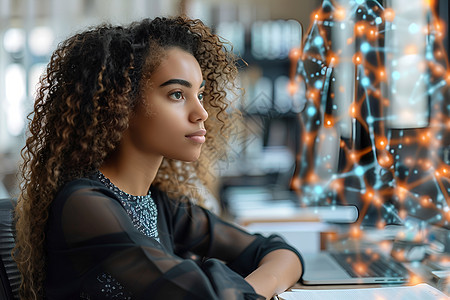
[
  {"x": 200, "y": 97},
  {"x": 176, "y": 95}
]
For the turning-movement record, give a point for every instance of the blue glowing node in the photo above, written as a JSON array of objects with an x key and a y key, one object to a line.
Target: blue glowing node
[
  {"x": 365, "y": 82},
  {"x": 378, "y": 20},
  {"x": 365, "y": 47},
  {"x": 311, "y": 111},
  {"x": 318, "y": 84},
  {"x": 369, "y": 120},
  {"x": 318, "y": 41},
  {"x": 318, "y": 190},
  {"x": 396, "y": 75},
  {"x": 413, "y": 28},
  {"x": 359, "y": 171}
]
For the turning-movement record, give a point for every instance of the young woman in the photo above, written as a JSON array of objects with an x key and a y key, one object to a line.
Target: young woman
[{"x": 119, "y": 122}]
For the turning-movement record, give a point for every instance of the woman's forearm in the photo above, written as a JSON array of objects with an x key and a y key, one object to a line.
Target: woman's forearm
[{"x": 277, "y": 271}]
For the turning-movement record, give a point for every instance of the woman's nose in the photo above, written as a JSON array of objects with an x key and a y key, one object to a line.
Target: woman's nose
[{"x": 198, "y": 113}]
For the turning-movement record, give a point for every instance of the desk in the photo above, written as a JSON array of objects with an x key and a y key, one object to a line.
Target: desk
[
  {"x": 323, "y": 236},
  {"x": 382, "y": 242}
]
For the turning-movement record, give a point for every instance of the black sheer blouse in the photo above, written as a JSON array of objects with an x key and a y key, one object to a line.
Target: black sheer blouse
[{"x": 95, "y": 252}]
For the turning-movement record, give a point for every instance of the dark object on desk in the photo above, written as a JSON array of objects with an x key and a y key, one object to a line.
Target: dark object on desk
[
  {"x": 9, "y": 274},
  {"x": 352, "y": 268}
]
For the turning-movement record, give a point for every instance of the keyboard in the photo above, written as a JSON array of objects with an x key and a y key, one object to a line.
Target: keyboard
[{"x": 362, "y": 264}]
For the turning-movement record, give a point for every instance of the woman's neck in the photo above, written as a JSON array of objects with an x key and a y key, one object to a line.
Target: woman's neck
[{"x": 131, "y": 171}]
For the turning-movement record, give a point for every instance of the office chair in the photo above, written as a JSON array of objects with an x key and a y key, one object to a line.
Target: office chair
[{"x": 9, "y": 274}]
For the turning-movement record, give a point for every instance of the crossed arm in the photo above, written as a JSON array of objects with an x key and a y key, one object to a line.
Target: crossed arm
[{"x": 277, "y": 271}]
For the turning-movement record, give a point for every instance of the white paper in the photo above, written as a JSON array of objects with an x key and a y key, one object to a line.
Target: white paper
[{"x": 421, "y": 291}]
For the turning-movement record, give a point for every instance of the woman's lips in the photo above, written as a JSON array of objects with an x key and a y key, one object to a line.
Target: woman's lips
[{"x": 198, "y": 136}]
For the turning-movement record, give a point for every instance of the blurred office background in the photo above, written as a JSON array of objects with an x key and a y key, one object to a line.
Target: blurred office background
[
  {"x": 264, "y": 33},
  {"x": 261, "y": 31}
]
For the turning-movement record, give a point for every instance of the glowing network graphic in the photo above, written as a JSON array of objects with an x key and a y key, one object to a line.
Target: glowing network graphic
[{"x": 376, "y": 126}]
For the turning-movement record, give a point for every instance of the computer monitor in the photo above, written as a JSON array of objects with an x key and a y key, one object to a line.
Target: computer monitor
[{"x": 421, "y": 177}]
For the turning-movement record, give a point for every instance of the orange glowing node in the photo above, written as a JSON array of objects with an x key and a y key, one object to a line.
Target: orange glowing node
[
  {"x": 355, "y": 232},
  {"x": 445, "y": 171},
  {"x": 389, "y": 14},
  {"x": 312, "y": 94},
  {"x": 447, "y": 77},
  {"x": 339, "y": 14},
  {"x": 384, "y": 245},
  {"x": 385, "y": 160},
  {"x": 372, "y": 34},
  {"x": 376, "y": 93},
  {"x": 357, "y": 58},
  {"x": 378, "y": 201},
  {"x": 360, "y": 268},
  {"x": 403, "y": 214},
  {"x": 381, "y": 142},
  {"x": 409, "y": 162},
  {"x": 425, "y": 201},
  {"x": 353, "y": 157},
  {"x": 296, "y": 183},
  {"x": 410, "y": 50},
  {"x": 438, "y": 70},
  {"x": 332, "y": 59},
  {"x": 307, "y": 137},
  {"x": 427, "y": 164},
  {"x": 292, "y": 87},
  {"x": 438, "y": 54},
  {"x": 337, "y": 185},
  {"x": 295, "y": 53},
  {"x": 399, "y": 254},
  {"x": 430, "y": 3},
  {"x": 414, "y": 279},
  {"x": 328, "y": 121},
  {"x": 369, "y": 195},
  {"x": 353, "y": 110},
  {"x": 360, "y": 28},
  {"x": 381, "y": 74},
  {"x": 312, "y": 178},
  {"x": 380, "y": 224}
]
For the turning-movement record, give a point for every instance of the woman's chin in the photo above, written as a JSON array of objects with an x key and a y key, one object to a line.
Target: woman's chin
[{"x": 188, "y": 158}]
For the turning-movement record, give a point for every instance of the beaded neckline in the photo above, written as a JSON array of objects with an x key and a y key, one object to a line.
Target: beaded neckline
[
  {"x": 121, "y": 193},
  {"x": 142, "y": 210}
]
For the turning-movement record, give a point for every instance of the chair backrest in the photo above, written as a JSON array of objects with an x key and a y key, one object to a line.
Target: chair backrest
[{"x": 9, "y": 274}]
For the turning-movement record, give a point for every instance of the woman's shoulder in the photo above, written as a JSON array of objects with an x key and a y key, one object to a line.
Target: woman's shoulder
[
  {"x": 85, "y": 186},
  {"x": 79, "y": 184}
]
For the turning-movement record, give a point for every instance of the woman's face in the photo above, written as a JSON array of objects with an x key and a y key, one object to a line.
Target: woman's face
[{"x": 169, "y": 122}]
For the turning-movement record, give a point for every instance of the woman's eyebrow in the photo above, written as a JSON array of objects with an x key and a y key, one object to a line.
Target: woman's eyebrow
[{"x": 177, "y": 81}]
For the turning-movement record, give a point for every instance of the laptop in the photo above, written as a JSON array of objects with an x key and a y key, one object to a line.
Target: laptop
[{"x": 352, "y": 268}]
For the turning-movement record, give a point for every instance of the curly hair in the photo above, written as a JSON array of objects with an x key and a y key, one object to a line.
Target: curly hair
[{"x": 83, "y": 106}]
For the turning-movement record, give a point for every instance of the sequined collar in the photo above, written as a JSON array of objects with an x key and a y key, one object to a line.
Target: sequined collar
[{"x": 119, "y": 192}]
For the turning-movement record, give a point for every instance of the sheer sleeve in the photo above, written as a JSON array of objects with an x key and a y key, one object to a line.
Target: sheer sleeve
[
  {"x": 201, "y": 232},
  {"x": 94, "y": 252}
]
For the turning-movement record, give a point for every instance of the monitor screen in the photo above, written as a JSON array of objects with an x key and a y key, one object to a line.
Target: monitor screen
[{"x": 422, "y": 182}]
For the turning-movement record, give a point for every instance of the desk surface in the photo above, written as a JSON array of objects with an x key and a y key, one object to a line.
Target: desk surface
[{"x": 421, "y": 271}]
